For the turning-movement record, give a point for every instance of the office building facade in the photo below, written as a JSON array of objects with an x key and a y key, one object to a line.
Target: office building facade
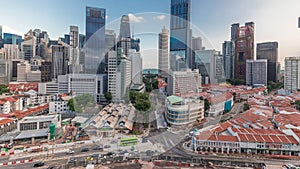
[
  {"x": 256, "y": 72},
  {"x": 95, "y": 39},
  {"x": 228, "y": 59},
  {"x": 292, "y": 74},
  {"x": 180, "y": 32},
  {"x": 243, "y": 38},
  {"x": 269, "y": 51},
  {"x": 163, "y": 53}
]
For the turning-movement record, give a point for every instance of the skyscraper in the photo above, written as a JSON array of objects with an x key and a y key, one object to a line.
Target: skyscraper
[
  {"x": 95, "y": 38},
  {"x": 60, "y": 59},
  {"x": 163, "y": 53},
  {"x": 75, "y": 52},
  {"x": 269, "y": 51},
  {"x": 256, "y": 72},
  {"x": 124, "y": 27},
  {"x": 292, "y": 74},
  {"x": 136, "y": 67},
  {"x": 5, "y": 71},
  {"x": 28, "y": 46},
  {"x": 9, "y": 38},
  {"x": 0, "y": 32},
  {"x": 243, "y": 38},
  {"x": 74, "y": 36},
  {"x": 180, "y": 34},
  {"x": 228, "y": 59}
]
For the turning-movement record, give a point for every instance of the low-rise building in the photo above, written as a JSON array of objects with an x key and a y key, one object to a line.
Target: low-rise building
[{"x": 184, "y": 111}]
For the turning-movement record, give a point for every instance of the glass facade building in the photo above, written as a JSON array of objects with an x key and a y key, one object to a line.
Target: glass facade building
[
  {"x": 95, "y": 38},
  {"x": 9, "y": 38},
  {"x": 180, "y": 32}
]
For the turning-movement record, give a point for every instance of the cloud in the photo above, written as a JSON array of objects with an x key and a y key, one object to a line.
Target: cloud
[
  {"x": 135, "y": 19},
  {"x": 11, "y": 30},
  {"x": 160, "y": 17}
]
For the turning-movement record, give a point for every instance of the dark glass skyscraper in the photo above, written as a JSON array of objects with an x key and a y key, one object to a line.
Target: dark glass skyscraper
[
  {"x": 95, "y": 38},
  {"x": 269, "y": 51},
  {"x": 180, "y": 32}
]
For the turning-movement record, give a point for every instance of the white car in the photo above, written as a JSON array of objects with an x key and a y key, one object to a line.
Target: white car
[{"x": 70, "y": 152}]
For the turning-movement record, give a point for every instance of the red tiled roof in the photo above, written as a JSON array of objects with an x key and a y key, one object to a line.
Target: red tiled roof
[{"x": 5, "y": 121}]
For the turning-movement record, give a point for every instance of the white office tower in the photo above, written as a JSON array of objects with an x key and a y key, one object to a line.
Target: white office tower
[
  {"x": 182, "y": 83},
  {"x": 136, "y": 63},
  {"x": 11, "y": 51},
  {"x": 78, "y": 84},
  {"x": 256, "y": 72},
  {"x": 5, "y": 71},
  {"x": 292, "y": 74},
  {"x": 74, "y": 64},
  {"x": 163, "y": 53},
  {"x": 119, "y": 74},
  {"x": 22, "y": 68}
]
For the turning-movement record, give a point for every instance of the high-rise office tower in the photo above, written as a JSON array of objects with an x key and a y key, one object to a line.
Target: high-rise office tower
[
  {"x": 22, "y": 69},
  {"x": 11, "y": 51},
  {"x": 74, "y": 36},
  {"x": 292, "y": 74},
  {"x": 124, "y": 28},
  {"x": 185, "y": 82},
  {"x": 228, "y": 59},
  {"x": 110, "y": 40},
  {"x": 210, "y": 66},
  {"x": 119, "y": 74},
  {"x": 5, "y": 71},
  {"x": 163, "y": 53},
  {"x": 95, "y": 38},
  {"x": 256, "y": 72},
  {"x": 60, "y": 59},
  {"x": 75, "y": 66},
  {"x": 136, "y": 67},
  {"x": 81, "y": 40},
  {"x": 0, "y": 32},
  {"x": 28, "y": 46},
  {"x": 180, "y": 32},
  {"x": 9, "y": 38},
  {"x": 243, "y": 38},
  {"x": 1, "y": 41},
  {"x": 196, "y": 46},
  {"x": 269, "y": 51}
]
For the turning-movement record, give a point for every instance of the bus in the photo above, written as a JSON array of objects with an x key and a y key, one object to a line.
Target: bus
[{"x": 128, "y": 141}]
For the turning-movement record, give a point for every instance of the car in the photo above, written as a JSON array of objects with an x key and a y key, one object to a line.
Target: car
[
  {"x": 50, "y": 167},
  {"x": 70, "y": 152},
  {"x": 95, "y": 155},
  {"x": 97, "y": 148},
  {"x": 113, "y": 142},
  {"x": 110, "y": 154},
  {"x": 107, "y": 146},
  {"x": 38, "y": 164},
  {"x": 84, "y": 150},
  {"x": 72, "y": 160}
]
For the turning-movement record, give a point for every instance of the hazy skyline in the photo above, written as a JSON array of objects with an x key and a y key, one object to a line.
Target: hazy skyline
[{"x": 275, "y": 20}]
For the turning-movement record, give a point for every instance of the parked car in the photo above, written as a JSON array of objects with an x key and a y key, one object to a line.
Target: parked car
[
  {"x": 72, "y": 160},
  {"x": 70, "y": 152},
  {"x": 84, "y": 150},
  {"x": 107, "y": 146},
  {"x": 38, "y": 164},
  {"x": 97, "y": 148}
]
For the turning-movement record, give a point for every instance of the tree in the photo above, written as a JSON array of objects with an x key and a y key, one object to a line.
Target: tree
[
  {"x": 246, "y": 107},
  {"x": 83, "y": 101},
  {"x": 206, "y": 104},
  {"x": 108, "y": 96},
  {"x": 71, "y": 104},
  {"x": 3, "y": 89}
]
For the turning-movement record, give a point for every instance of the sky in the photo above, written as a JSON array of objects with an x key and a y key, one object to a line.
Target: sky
[{"x": 275, "y": 20}]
